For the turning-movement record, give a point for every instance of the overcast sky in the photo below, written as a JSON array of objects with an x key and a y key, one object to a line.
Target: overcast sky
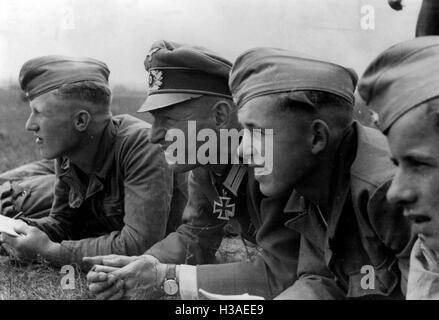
[{"x": 120, "y": 32}]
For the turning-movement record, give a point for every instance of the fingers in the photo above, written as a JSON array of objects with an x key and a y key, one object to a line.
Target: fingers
[
  {"x": 10, "y": 240},
  {"x": 112, "y": 260},
  {"x": 93, "y": 260},
  {"x": 119, "y": 295},
  {"x": 101, "y": 268},
  {"x": 117, "y": 261},
  {"x": 98, "y": 287},
  {"x": 22, "y": 227},
  {"x": 93, "y": 276},
  {"x": 114, "y": 291}
]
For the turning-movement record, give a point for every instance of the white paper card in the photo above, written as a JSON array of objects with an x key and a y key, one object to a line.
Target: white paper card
[{"x": 7, "y": 226}]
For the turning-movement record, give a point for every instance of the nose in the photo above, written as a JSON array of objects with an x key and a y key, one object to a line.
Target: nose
[
  {"x": 31, "y": 125},
  {"x": 402, "y": 191}
]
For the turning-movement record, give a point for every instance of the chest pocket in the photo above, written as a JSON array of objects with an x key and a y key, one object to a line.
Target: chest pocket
[{"x": 378, "y": 281}]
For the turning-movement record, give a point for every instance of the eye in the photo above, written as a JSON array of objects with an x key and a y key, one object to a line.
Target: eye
[
  {"x": 394, "y": 161},
  {"x": 417, "y": 164},
  {"x": 171, "y": 119}
]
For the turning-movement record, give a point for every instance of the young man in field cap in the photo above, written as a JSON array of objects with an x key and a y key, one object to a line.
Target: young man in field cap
[
  {"x": 401, "y": 86},
  {"x": 353, "y": 243},
  {"x": 188, "y": 85},
  {"x": 113, "y": 188}
]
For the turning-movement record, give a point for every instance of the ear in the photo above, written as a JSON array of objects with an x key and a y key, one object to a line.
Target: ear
[
  {"x": 320, "y": 136},
  {"x": 81, "y": 120},
  {"x": 222, "y": 111}
]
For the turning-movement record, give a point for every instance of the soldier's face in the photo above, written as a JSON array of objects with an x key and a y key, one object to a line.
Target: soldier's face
[
  {"x": 414, "y": 143},
  {"x": 291, "y": 157},
  {"x": 186, "y": 119},
  {"x": 52, "y": 124}
]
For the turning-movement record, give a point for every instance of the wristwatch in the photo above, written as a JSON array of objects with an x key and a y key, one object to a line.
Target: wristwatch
[{"x": 170, "y": 286}]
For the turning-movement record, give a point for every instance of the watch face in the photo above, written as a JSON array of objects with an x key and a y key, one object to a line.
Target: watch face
[{"x": 170, "y": 287}]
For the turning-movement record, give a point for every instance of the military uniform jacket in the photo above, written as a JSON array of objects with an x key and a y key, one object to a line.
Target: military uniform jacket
[
  {"x": 123, "y": 207},
  {"x": 198, "y": 238},
  {"x": 362, "y": 250}
]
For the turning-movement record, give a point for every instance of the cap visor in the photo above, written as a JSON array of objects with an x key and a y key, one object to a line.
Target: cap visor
[{"x": 162, "y": 100}]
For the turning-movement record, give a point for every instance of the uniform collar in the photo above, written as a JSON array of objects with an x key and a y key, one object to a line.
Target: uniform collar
[{"x": 295, "y": 203}]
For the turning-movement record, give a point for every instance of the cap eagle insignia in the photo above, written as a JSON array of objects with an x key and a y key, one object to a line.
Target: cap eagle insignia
[{"x": 155, "y": 79}]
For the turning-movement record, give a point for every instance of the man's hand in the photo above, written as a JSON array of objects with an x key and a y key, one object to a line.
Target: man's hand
[
  {"x": 30, "y": 243},
  {"x": 111, "y": 281},
  {"x": 112, "y": 260},
  {"x": 99, "y": 278}
]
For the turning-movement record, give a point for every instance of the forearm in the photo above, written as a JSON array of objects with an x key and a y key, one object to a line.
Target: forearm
[
  {"x": 123, "y": 242},
  {"x": 252, "y": 277}
]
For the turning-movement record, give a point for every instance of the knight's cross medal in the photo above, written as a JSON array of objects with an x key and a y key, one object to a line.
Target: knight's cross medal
[{"x": 224, "y": 208}]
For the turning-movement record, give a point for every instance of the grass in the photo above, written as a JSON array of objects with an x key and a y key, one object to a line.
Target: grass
[
  {"x": 38, "y": 281},
  {"x": 41, "y": 281}
]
